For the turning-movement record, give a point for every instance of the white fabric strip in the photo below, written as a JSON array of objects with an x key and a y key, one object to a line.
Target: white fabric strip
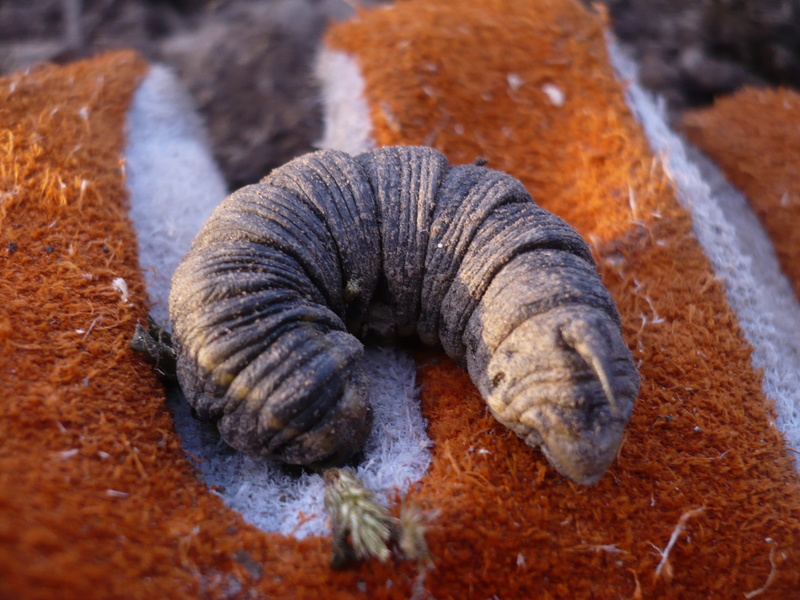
[
  {"x": 174, "y": 184},
  {"x": 347, "y": 123},
  {"x": 740, "y": 251},
  {"x": 173, "y": 181}
]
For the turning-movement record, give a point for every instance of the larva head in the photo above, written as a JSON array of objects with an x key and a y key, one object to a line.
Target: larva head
[{"x": 566, "y": 382}]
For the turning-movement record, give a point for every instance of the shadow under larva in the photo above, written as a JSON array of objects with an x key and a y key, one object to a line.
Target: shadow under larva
[{"x": 268, "y": 307}]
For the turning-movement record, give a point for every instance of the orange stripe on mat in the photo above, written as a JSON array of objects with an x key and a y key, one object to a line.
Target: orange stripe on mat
[
  {"x": 754, "y": 135},
  {"x": 472, "y": 80}
]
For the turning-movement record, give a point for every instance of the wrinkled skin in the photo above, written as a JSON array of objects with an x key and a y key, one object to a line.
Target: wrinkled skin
[
  {"x": 554, "y": 398},
  {"x": 267, "y": 305}
]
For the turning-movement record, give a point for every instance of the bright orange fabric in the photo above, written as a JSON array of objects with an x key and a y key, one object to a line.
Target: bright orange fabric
[{"x": 754, "y": 135}]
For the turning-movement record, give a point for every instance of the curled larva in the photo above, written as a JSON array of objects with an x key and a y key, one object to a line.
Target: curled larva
[{"x": 267, "y": 306}]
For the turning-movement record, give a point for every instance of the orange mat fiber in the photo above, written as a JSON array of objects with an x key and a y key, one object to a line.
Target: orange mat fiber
[
  {"x": 98, "y": 501},
  {"x": 754, "y": 136},
  {"x": 96, "y": 498}
]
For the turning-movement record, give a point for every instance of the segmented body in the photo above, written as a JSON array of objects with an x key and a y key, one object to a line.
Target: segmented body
[{"x": 268, "y": 305}]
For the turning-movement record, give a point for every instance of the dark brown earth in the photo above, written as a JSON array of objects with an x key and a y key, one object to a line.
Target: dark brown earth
[{"x": 248, "y": 62}]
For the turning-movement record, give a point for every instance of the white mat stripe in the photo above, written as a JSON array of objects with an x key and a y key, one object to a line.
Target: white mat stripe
[
  {"x": 172, "y": 178},
  {"x": 740, "y": 251}
]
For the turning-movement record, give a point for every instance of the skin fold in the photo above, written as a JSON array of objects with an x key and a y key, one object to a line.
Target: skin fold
[{"x": 268, "y": 307}]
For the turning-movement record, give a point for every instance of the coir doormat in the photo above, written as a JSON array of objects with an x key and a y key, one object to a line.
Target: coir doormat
[{"x": 97, "y": 498}]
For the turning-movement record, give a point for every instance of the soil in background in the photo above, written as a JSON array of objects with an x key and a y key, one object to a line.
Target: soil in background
[{"x": 248, "y": 62}]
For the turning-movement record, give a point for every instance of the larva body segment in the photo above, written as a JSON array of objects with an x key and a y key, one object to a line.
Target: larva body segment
[
  {"x": 342, "y": 199},
  {"x": 467, "y": 196},
  {"x": 258, "y": 308},
  {"x": 393, "y": 241},
  {"x": 405, "y": 181}
]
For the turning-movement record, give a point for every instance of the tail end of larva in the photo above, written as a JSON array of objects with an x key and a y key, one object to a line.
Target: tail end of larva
[{"x": 340, "y": 436}]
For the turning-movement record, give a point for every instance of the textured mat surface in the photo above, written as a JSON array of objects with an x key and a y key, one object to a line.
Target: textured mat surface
[
  {"x": 98, "y": 500},
  {"x": 754, "y": 135}
]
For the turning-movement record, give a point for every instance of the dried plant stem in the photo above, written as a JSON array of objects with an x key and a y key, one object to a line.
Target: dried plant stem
[
  {"x": 362, "y": 528},
  {"x": 411, "y": 542}
]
